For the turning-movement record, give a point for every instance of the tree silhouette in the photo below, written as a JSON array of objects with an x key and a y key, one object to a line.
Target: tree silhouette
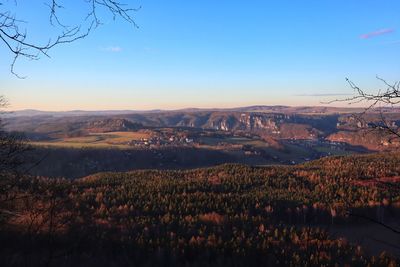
[
  {"x": 13, "y": 148},
  {"x": 384, "y": 101},
  {"x": 14, "y": 30}
]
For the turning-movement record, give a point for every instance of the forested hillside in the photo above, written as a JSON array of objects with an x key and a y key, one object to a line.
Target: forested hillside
[{"x": 225, "y": 215}]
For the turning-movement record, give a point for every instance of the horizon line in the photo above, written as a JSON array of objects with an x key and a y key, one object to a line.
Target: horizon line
[{"x": 183, "y": 109}]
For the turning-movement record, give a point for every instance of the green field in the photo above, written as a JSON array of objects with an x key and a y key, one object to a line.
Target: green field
[{"x": 96, "y": 140}]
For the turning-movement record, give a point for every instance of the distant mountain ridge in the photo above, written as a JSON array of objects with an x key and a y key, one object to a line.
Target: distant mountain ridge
[
  {"x": 255, "y": 108},
  {"x": 34, "y": 112}
]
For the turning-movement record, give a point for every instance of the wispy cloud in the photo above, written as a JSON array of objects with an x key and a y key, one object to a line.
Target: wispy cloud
[
  {"x": 113, "y": 49},
  {"x": 376, "y": 33},
  {"x": 323, "y": 95}
]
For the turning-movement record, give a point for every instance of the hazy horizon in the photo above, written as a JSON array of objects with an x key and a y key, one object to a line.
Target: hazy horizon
[{"x": 339, "y": 105}]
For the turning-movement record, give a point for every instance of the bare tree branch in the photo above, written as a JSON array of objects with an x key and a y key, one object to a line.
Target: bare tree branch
[
  {"x": 394, "y": 230},
  {"x": 14, "y": 34},
  {"x": 389, "y": 97}
]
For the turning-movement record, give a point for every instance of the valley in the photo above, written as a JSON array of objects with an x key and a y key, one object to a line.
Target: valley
[{"x": 196, "y": 138}]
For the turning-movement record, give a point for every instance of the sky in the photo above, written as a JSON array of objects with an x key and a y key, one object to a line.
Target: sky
[{"x": 206, "y": 54}]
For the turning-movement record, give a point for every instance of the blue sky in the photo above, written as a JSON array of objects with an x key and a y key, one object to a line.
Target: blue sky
[{"x": 208, "y": 54}]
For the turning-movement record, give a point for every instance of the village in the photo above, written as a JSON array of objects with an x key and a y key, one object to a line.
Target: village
[{"x": 162, "y": 140}]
